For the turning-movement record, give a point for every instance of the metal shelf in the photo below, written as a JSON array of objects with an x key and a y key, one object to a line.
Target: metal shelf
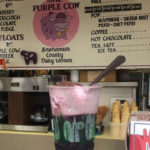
[
  {"x": 27, "y": 84},
  {"x": 116, "y": 84}
]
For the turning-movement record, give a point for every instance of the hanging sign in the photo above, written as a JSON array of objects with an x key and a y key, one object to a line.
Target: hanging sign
[{"x": 74, "y": 34}]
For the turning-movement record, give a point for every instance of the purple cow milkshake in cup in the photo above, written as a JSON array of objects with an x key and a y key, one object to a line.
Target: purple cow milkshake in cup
[{"x": 74, "y": 108}]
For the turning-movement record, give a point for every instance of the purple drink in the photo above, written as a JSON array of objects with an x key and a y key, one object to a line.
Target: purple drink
[{"x": 74, "y": 108}]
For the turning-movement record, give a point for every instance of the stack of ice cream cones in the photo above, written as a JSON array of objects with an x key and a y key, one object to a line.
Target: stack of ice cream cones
[
  {"x": 120, "y": 117},
  {"x": 115, "y": 125},
  {"x": 133, "y": 106},
  {"x": 116, "y": 107}
]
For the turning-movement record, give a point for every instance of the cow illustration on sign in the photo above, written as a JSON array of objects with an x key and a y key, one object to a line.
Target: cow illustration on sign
[
  {"x": 29, "y": 57},
  {"x": 55, "y": 26}
]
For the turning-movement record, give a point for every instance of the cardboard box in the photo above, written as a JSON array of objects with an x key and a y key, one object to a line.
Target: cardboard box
[
  {"x": 88, "y": 76},
  {"x": 139, "y": 131}
]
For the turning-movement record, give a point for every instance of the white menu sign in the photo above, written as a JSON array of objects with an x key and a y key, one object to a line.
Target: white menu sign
[{"x": 74, "y": 34}]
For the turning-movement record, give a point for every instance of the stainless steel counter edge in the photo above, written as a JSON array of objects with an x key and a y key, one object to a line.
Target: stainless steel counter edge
[
  {"x": 24, "y": 128},
  {"x": 24, "y": 84},
  {"x": 40, "y": 84}
]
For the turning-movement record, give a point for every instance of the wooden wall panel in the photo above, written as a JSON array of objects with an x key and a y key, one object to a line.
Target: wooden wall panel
[{"x": 19, "y": 108}]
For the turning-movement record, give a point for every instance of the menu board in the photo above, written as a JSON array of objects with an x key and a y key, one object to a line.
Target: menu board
[{"x": 74, "y": 34}]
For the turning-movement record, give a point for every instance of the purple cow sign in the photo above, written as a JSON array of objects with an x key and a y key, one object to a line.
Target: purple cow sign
[{"x": 55, "y": 26}]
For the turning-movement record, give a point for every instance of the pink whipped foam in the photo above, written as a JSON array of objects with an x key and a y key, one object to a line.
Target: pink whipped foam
[{"x": 69, "y": 99}]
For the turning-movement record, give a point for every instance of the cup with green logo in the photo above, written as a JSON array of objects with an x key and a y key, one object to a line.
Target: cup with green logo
[{"x": 74, "y": 109}]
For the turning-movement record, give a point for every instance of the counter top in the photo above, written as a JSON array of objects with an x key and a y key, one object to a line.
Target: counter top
[
  {"x": 105, "y": 134},
  {"x": 16, "y": 140}
]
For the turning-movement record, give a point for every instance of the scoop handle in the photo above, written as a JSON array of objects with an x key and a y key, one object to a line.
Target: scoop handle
[{"x": 114, "y": 64}]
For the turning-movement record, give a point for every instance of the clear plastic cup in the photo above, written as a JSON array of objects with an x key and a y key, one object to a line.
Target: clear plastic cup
[{"x": 74, "y": 109}]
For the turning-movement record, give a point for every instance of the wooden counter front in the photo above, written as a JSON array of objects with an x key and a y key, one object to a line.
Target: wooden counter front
[{"x": 12, "y": 140}]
